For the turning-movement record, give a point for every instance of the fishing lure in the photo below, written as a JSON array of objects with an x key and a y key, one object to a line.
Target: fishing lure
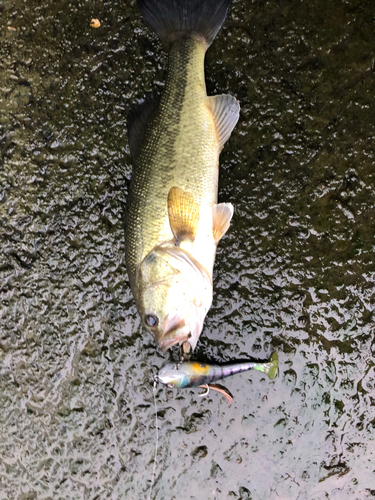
[{"x": 195, "y": 374}]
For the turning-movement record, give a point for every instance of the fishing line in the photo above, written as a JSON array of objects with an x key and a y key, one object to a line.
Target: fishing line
[{"x": 156, "y": 442}]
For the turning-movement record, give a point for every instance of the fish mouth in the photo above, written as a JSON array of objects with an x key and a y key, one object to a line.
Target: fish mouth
[
  {"x": 174, "y": 331},
  {"x": 166, "y": 344}
]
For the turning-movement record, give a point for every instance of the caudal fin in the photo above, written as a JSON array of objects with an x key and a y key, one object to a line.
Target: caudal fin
[{"x": 173, "y": 19}]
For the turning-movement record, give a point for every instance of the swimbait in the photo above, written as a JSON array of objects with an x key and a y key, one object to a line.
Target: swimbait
[{"x": 195, "y": 374}]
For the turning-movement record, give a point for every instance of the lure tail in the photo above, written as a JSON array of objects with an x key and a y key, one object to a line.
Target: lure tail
[
  {"x": 271, "y": 368},
  {"x": 174, "y": 19}
]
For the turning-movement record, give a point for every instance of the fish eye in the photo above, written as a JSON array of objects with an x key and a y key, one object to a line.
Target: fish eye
[{"x": 151, "y": 320}]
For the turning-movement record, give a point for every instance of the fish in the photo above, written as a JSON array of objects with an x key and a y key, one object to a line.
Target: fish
[
  {"x": 195, "y": 374},
  {"x": 173, "y": 220}
]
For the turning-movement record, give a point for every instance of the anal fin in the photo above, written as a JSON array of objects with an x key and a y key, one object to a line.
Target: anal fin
[{"x": 225, "y": 110}]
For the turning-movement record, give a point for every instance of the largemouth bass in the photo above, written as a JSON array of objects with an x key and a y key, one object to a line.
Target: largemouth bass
[{"x": 173, "y": 220}]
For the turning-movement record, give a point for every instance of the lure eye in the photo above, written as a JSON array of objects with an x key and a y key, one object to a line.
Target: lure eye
[{"x": 151, "y": 320}]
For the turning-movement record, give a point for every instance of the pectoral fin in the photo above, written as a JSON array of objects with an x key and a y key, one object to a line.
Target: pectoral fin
[
  {"x": 221, "y": 216},
  {"x": 225, "y": 110},
  {"x": 183, "y": 212}
]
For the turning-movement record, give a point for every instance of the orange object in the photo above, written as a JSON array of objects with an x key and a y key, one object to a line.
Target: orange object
[{"x": 95, "y": 23}]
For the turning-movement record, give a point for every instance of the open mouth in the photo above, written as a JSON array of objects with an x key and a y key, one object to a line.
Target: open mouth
[
  {"x": 167, "y": 342},
  {"x": 174, "y": 331}
]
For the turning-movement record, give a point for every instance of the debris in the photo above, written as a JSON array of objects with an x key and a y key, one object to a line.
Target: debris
[{"x": 95, "y": 23}]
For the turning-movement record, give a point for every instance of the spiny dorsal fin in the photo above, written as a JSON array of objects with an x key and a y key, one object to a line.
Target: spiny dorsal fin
[
  {"x": 138, "y": 119},
  {"x": 183, "y": 213},
  {"x": 221, "y": 216},
  {"x": 226, "y": 110}
]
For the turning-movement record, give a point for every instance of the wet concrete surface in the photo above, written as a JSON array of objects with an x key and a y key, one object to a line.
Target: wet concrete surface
[{"x": 295, "y": 273}]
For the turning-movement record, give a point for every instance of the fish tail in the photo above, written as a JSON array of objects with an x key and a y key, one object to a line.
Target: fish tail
[
  {"x": 174, "y": 19},
  {"x": 271, "y": 368}
]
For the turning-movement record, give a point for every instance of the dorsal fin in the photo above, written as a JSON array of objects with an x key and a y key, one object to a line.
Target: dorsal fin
[
  {"x": 226, "y": 110},
  {"x": 221, "y": 216},
  {"x": 138, "y": 119},
  {"x": 183, "y": 213}
]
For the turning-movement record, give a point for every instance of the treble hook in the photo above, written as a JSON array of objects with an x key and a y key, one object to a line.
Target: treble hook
[
  {"x": 214, "y": 387},
  {"x": 204, "y": 393},
  {"x": 185, "y": 351}
]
